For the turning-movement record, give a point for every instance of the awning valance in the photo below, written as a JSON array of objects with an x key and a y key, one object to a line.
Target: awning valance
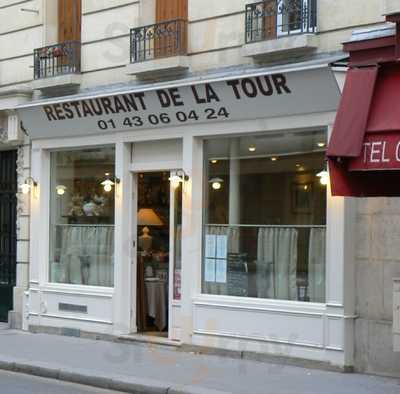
[{"x": 364, "y": 149}]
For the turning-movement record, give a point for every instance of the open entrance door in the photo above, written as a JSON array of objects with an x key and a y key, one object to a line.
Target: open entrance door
[{"x": 159, "y": 212}]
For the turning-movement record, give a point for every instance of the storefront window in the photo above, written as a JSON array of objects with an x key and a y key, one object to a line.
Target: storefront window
[
  {"x": 82, "y": 217},
  {"x": 265, "y": 217}
]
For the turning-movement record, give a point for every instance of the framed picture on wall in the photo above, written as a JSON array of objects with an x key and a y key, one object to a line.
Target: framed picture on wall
[{"x": 302, "y": 198}]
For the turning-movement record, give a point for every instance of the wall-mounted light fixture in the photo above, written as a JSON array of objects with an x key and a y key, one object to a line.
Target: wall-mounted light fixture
[
  {"x": 323, "y": 177},
  {"x": 60, "y": 189},
  {"x": 28, "y": 184},
  {"x": 216, "y": 183},
  {"x": 109, "y": 182},
  {"x": 177, "y": 177}
]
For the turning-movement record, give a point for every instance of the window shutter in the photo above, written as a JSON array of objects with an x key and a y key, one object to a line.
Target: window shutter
[
  {"x": 171, "y": 9},
  {"x": 69, "y": 20},
  {"x": 270, "y": 19},
  {"x": 170, "y": 45}
]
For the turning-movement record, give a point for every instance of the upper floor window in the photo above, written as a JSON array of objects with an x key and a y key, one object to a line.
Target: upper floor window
[
  {"x": 270, "y": 19},
  {"x": 63, "y": 57}
]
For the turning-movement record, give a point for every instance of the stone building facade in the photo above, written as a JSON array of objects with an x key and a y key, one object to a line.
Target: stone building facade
[{"x": 217, "y": 42}]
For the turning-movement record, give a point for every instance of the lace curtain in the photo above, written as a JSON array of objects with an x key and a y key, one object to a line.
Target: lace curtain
[
  {"x": 316, "y": 265},
  {"x": 86, "y": 256},
  {"x": 277, "y": 263}
]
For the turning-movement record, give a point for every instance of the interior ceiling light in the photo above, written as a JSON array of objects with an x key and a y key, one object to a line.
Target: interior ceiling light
[
  {"x": 216, "y": 183},
  {"x": 321, "y": 144},
  {"x": 252, "y": 148},
  {"x": 60, "y": 189}
]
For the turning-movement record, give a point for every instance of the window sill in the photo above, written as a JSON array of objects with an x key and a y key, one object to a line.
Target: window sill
[
  {"x": 159, "y": 67},
  {"x": 56, "y": 82},
  {"x": 293, "y": 45},
  {"x": 82, "y": 290}
]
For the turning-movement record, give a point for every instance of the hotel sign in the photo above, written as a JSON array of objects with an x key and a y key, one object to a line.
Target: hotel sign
[
  {"x": 248, "y": 97},
  {"x": 380, "y": 151}
]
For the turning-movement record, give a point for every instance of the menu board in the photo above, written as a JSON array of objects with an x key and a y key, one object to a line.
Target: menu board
[{"x": 216, "y": 253}]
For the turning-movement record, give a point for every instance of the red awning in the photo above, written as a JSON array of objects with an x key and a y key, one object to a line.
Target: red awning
[
  {"x": 352, "y": 116},
  {"x": 364, "y": 150}
]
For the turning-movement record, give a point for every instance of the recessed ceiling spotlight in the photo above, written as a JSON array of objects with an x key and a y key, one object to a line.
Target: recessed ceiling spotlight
[
  {"x": 321, "y": 144},
  {"x": 214, "y": 161},
  {"x": 252, "y": 148},
  {"x": 274, "y": 158}
]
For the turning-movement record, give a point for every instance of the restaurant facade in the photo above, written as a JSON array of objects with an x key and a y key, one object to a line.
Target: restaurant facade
[
  {"x": 176, "y": 210},
  {"x": 191, "y": 205}
]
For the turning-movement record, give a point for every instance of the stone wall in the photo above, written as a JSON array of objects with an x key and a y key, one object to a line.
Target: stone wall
[
  {"x": 377, "y": 262},
  {"x": 216, "y": 34},
  {"x": 15, "y": 318}
]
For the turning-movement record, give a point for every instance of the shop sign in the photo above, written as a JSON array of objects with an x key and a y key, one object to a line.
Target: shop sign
[
  {"x": 380, "y": 151},
  {"x": 250, "y": 97}
]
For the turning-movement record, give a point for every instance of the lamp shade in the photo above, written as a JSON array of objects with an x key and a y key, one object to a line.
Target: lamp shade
[{"x": 147, "y": 217}]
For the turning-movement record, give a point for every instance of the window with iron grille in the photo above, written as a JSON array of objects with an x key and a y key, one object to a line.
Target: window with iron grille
[
  {"x": 64, "y": 57},
  {"x": 271, "y": 19}
]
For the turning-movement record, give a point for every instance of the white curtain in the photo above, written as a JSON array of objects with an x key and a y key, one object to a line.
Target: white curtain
[
  {"x": 178, "y": 246},
  {"x": 316, "y": 265},
  {"x": 233, "y": 234},
  {"x": 87, "y": 255},
  {"x": 277, "y": 263}
]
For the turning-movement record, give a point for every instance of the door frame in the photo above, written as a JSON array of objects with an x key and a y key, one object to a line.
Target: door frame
[{"x": 134, "y": 171}]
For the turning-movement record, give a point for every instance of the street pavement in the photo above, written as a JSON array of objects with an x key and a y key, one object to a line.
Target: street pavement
[
  {"x": 155, "y": 369},
  {"x": 15, "y": 383}
]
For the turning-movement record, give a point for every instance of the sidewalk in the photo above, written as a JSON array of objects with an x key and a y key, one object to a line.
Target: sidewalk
[{"x": 153, "y": 369}]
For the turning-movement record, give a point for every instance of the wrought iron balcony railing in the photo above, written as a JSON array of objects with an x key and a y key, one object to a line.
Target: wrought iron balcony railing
[
  {"x": 59, "y": 59},
  {"x": 160, "y": 40},
  {"x": 270, "y": 19}
]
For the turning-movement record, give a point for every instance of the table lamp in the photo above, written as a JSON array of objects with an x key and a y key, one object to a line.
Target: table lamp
[{"x": 147, "y": 217}]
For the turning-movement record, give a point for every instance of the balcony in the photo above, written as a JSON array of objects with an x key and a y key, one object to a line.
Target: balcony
[
  {"x": 158, "y": 49},
  {"x": 280, "y": 26},
  {"x": 57, "y": 66}
]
